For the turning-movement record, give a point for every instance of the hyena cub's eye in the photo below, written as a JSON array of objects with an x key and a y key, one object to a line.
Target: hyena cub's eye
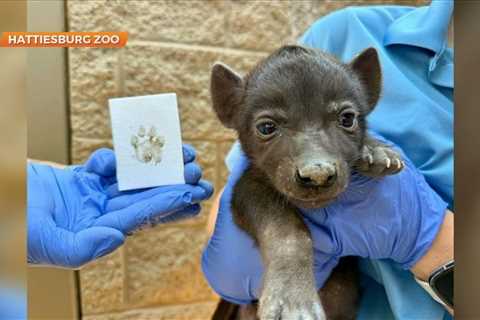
[
  {"x": 347, "y": 120},
  {"x": 266, "y": 128}
]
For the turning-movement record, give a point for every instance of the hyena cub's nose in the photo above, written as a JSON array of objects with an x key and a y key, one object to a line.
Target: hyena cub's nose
[{"x": 317, "y": 175}]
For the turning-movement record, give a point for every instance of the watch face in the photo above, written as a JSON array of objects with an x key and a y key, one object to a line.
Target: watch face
[{"x": 442, "y": 284}]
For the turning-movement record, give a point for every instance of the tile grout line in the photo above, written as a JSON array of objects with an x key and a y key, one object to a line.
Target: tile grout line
[
  {"x": 125, "y": 294},
  {"x": 209, "y": 48},
  {"x": 120, "y": 89},
  {"x": 291, "y": 22},
  {"x": 228, "y": 7},
  {"x": 151, "y": 307},
  {"x": 183, "y": 139},
  {"x": 120, "y": 74}
]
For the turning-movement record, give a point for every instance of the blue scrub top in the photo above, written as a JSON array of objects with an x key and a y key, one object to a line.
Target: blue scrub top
[{"x": 415, "y": 112}]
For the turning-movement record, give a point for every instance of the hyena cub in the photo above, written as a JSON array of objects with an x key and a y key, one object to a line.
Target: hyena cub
[{"x": 300, "y": 117}]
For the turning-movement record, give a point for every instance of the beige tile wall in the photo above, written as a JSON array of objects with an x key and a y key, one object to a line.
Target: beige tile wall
[{"x": 171, "y": 47}]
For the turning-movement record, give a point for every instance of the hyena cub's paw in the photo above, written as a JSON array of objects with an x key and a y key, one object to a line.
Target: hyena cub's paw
[
  {"x": 285, "y": 304},
  {"x": 379, "y": 160}
]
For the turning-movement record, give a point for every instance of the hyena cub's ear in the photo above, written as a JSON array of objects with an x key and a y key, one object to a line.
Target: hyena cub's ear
[
  {"x": 225, "y": 87},
  {"x": 367, "y": 66}
]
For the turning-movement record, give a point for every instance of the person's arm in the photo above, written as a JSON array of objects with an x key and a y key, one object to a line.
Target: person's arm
[{"x": 440, "y": 253}]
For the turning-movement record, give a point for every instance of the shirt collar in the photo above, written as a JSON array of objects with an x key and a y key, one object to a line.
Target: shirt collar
[
  {"x": 427, "y": 27},
  {"x": 424, "y": 27}
]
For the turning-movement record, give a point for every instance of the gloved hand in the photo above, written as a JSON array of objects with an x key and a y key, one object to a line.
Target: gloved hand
[
  {"x": 395, "y": 217},
  {"x": 77, "y": 214}
]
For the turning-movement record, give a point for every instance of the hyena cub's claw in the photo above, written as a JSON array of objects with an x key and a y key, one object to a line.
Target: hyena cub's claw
[
  {"x": 399, "y": 163},
  {"x": 379, "y": 160}
]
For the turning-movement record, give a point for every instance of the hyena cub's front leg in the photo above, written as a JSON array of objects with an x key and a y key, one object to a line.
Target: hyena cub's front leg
[
  {"x": 378, "y": 159},
  {"x": 289, "y": 290}
]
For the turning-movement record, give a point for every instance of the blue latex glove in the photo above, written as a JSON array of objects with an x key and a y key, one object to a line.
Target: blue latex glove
[
  {"x": 396, "y": 217},
  {"x": 77, "y": 214}
]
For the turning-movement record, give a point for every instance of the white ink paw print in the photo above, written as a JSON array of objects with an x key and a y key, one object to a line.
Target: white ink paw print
[{"x": 148, "y": 146}]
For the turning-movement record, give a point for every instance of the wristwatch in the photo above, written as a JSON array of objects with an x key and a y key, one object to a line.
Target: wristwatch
[{"x": 440, "y": 284}]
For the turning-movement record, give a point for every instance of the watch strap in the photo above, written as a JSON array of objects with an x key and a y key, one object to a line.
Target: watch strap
[{"x": 427, "y": 285}]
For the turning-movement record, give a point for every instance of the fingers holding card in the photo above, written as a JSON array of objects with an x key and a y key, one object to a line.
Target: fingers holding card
[{"x": 147, "y": 141}]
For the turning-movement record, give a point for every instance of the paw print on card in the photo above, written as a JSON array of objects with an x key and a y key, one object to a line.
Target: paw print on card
[{"x": 148, "y": 146}]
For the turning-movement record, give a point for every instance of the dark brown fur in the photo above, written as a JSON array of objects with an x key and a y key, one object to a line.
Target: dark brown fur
[{"x": 306, "y": 162}]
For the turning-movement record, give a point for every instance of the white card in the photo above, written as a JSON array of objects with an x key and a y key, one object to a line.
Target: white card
[{"x": 147, "y": 141}]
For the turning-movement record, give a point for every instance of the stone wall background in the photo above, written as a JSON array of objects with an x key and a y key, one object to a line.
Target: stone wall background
[{"x": 171, "y": 47}]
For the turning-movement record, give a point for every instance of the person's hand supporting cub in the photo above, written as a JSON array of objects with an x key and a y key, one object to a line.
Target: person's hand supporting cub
[
  {"x": 77, "y": 214},
  {"x": 396, "y": 217}
]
